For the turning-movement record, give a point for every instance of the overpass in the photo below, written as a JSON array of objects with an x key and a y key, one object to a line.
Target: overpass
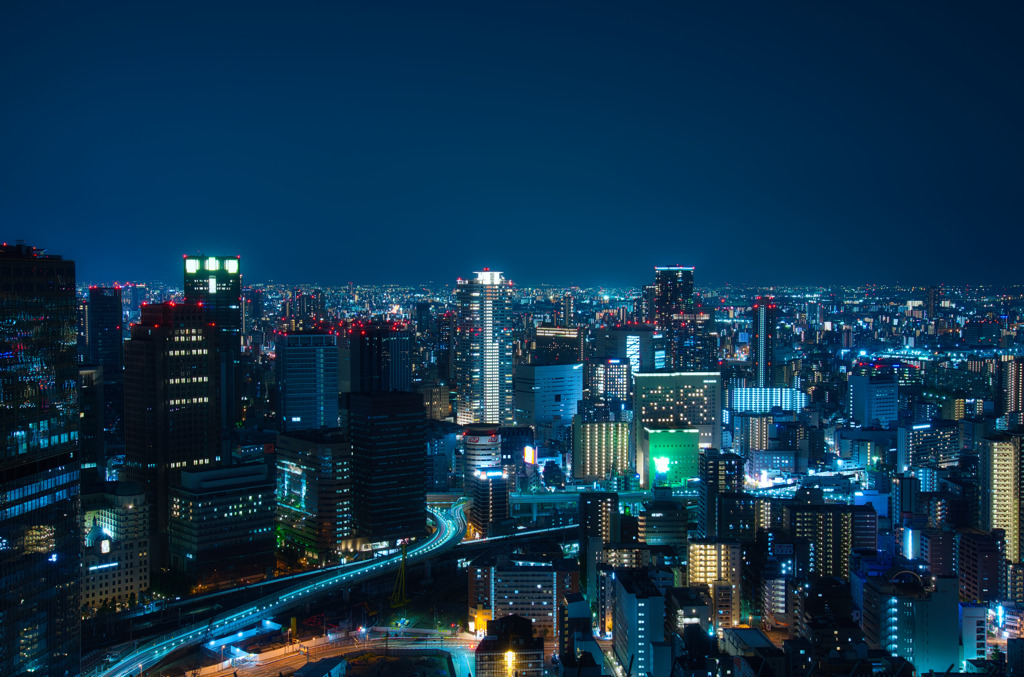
[{"x": 451, "y": 527}]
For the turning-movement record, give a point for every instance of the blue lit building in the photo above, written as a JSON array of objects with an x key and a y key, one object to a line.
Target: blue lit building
[{"x": 307, "y": 381}]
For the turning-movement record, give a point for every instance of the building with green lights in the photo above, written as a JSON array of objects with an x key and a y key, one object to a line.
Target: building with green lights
[{"x": 672, "y": 454}]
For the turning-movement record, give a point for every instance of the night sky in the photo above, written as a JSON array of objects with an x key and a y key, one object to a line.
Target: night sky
[{"x": 565, "y": 143}]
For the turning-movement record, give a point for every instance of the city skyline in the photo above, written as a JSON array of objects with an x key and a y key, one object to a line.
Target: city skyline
[{"x": 507, "y": 136}]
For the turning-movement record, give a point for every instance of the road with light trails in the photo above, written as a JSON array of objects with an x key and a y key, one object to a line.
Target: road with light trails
[{"x": 450, "y": 528}]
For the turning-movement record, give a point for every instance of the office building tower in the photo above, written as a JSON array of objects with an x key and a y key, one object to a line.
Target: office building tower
[
  {"x": 40, "y": 533},
  {"x": 874, "y": 402},
  {"x": 639, "y": 622},
  {"x": 509, "y": 648},
  {"x": 639, "y": 344},
  {"x": 695, "y": 344},
  {"x": 490, "y": 499},
  {"x": 115, "y": 552},
  {"x": 171, "y": 415},
  {"x": 720, "y": 473},
  {"x": 664, "y": 522},
  {"x": 481, "y": 448},
  {"x": 388, "y": 433},
  {"x": 436, "y": 399},
  {"x": 913, "y": 617},
  {"x": 375, "y": 356},
  {"x": 599, "y": 448},
  {"x": 567, "y": 311},
  {"x": 981, "y": 565},
  {"x": 105, "y": 329},
  {"x": 315, "y": 496},
  {"x": 557, "y": 345},
  {"x": 762, "y": 341},
  {"x": 222, "y": 523},
  {"x": 91, "y": 444},
  {"x": 673, "y": 295},
  {"x": 715, "y": 566},
  {"x": 547, "y": 397},
  {"x": 523, "y": 585},
  {"x": 306, "y": 367},
  {"x": 608, "y": 381},
  {"x": 677, "y": 400},
  {"x": 752, "y": 432},
  {"x": 215, "y": 282},
  {"x": 483, "y": 350},
  {"x": 1001, "y": 485}
]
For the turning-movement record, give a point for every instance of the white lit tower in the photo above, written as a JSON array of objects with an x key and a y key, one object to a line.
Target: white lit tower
[
  {"x": 762, "y": 341},
  {"x": 483, "y": 350}
]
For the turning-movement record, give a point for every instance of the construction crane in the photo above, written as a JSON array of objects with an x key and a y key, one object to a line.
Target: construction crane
[{"x": 398, "y": 598}]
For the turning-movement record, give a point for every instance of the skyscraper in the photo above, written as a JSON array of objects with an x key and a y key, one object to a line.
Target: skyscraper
[
  {"x": 171, "y": 416},
  {"x": 375, "y": 356},
  {"x": 388, "y": 433},
  {"x": 307, "y": 380},
  {"x": 40, "y": 534},
  {"x": 720, "y": 473},
  {"x": 215, "y": 282},
  {"x": 483, "y": 352},
  {"x": 673, "y": 294},
  {"x": 105, "y": 322},
  {"x": 762, "y": 341}
]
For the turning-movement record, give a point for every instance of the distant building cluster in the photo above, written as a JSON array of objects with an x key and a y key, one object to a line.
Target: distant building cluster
[{"x": 735, "y": 481}]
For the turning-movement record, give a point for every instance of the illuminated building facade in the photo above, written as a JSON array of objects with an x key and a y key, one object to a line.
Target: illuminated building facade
[
  {"x": 937, "y": 442},
  {"x": 608, "y": 380},
  {"x": 638, "y": 622},
  {"x": 762, "y": 341},
  {"x": 673, "y": 295},
  {"x": 510, "y": 648},
  {"x": 720, "y": 473},
  {"x": 873, "y": 399},
  {"x": 375, "y": 356},
  {"x": 483, "y": 351},
  {"x": 763, "y": 400},
  {"x": 490, "y": 499},
  {"x": 547, "y": 397},
  {"x": 1001, "y": 483},
  {"x": 307, "y": 380},
  {"x": 314, "y": 495},
  {"x": 835, "y": 530},
  {"x": 677, "y": 400},
  {"x": 171, "y": 415},
  {"x": 40, "y": 533},
  {"x": 215, "y": 282},
  {"x": 481, "y": 448},
  {"x": 557, "y": 345},
  {"x": 115, "y": 554},
  {"x": 715, "y": 565},
  {"x": 673, "y": 455},
  {"x": 222, "y": 523},
  {"x": 599, "y": 448}
]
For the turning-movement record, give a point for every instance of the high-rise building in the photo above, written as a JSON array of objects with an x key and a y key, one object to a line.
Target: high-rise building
[
  {"x": 557, "y": 345},
  {"x": 215, "y": 282},
  {"x": 388, "y": 433},
  {"x": 695, "y": 344},
  {"x": 547, "y": 397},
  {"x": 599, "y": 525},
  {"x": 873, "y": 399},
  {"x": 483, "y": 351},
  {"x": 481, "y": 449},
  {"x": 672, "y": 455},
  {"x": 91, "y": 434},
  {"x": 720, "y": 473},
  {"x": 375, "y": 356},
  {"x": 105, "y": 330},
  {"x": 221, "y": 524},
  {"x": 639, "y": 344},
  {"x": 608, "y": 380},
  {"x": 599, "y": 448},
  {"x": 115, "y": 554},
  {"x": 673, "y": 295},
  {"x": 1010, "y": 397},
  {"x": 937, "y": 443},
  {"x": 40, "y": 533},
  {"x": 762, "y": 341},
  {"x": 490, "y": 499},
  {"x": 171, "y": 415},
  {"x": 639, "y": 622},
  {"x": 677, "y": 400},
  {"x": 716, "y": 565},
  {"x": 836, "y": 530},
  {"x": 315, "y": 495},
  {"x": 1001, "y": 485},
  {"x": 307, "y": 381},
  {"x": 521, "y": 585}
]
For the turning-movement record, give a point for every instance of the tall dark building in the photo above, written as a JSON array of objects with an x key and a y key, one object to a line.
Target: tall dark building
[
  {"x": 105, "y": 329},
  {"x": 40, "y": 534},
  {"x": 388, "y": 434},
  {"x": 557, "y": 345},
  {"x": 215, "y": 283},
  {"x": 171, "y": 420},
  {"x": 762, "y": 341},
  {"x": 375, "y": 356},
  {"x": 92, "y": 450},
  {"x": 599, "y": 525},
  {"x": 720, "y": 473},
  {"x": 673, "y": 294},
  {"x": 696, "y": 341},
  {"x": 306, "y": 367}
]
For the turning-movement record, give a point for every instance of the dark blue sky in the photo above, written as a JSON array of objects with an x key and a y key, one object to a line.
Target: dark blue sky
[{"x": 813, "y": 142}]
